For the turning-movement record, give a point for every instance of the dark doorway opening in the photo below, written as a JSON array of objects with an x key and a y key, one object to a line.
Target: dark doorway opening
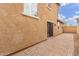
[{"x": 49, "y": 29}]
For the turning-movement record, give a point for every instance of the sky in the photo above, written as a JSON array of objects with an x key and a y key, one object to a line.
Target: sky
[{"x": 68, "y": 12}]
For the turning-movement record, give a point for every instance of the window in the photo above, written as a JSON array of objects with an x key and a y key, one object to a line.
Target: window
[
  {"x": 49, "y": 6},
  {"x": 30, "y": 9}
]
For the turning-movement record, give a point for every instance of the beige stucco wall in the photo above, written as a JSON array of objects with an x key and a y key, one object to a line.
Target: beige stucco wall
[
  {"x": 78, "y": 30},
  {"x": 60, "y": 29},
  {"x": 18, "y": 31},
  {"x": 76, "y": 42},
  {"x": 52, "y": 17},
  {"x": 49, "y": 16},
  {"x": 70, "y": 29}
]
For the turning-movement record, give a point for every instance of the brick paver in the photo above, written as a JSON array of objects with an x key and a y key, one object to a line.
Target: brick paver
[{"x": 61, "y": 45}]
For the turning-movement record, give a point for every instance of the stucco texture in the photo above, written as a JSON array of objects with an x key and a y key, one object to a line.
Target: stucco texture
[{"x": 18, "y": 31}]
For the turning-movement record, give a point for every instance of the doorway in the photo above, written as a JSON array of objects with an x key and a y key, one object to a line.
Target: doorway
[{"x": 49, "y": 29}]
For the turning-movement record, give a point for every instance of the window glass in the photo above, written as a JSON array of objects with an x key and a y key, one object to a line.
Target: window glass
[{"x": 30, "y": 9}]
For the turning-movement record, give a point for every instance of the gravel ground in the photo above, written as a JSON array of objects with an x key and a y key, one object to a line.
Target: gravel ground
[{"x": 61, "y": 45}]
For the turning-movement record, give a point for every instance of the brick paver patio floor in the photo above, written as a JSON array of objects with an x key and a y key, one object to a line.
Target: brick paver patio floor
[{"x": 61, "y": 45}]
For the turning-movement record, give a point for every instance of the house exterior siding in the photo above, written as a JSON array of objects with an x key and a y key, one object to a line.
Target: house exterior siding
[
  {"x": 18, "y": 31},
  {"x": 60, "y": 27}
]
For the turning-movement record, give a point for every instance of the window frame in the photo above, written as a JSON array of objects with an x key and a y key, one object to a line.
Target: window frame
[
  {"x": 49, "y": 6},
  {"x": 32, "y": 16}
]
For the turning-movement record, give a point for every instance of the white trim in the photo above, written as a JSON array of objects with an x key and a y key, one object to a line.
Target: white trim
[{"x": 30, "y": 16}]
